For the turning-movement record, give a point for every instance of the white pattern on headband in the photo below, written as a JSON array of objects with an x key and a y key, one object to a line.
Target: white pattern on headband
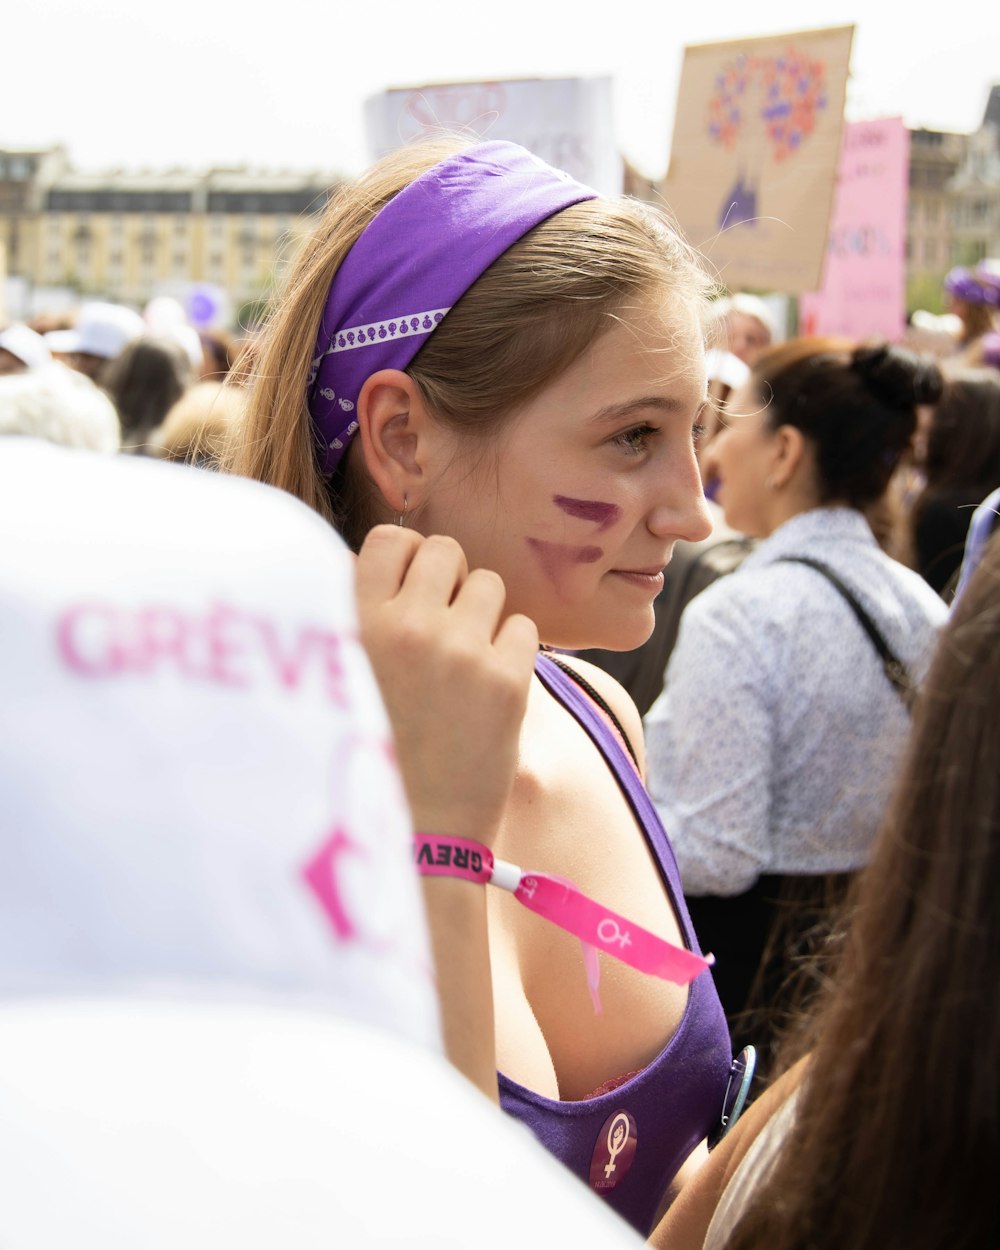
[{"x": 412, "y": 325}]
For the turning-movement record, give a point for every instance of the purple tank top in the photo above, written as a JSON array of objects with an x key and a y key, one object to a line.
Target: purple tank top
[{"x": 628, "y": 1144}]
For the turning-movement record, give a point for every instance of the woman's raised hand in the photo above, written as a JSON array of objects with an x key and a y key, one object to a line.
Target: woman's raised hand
[{"x": 454, "y": 675}]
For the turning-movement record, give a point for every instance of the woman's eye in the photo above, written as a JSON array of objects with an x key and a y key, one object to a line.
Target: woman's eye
[
  {"x": 635, "y": 440},
  {"x": 698, "y": 432}
]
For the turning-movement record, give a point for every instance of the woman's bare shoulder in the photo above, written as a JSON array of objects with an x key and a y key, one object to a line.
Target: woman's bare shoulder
[{"x": 617, "y": 699}]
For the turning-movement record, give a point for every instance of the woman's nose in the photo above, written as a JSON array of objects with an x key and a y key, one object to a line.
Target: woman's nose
[{"x": 686, "y": 516}]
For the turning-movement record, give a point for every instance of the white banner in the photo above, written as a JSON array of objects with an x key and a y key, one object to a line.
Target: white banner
[{"x": 565, "y": 121}]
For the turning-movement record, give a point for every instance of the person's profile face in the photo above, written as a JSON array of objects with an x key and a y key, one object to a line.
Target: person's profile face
[
  {"x": 748, "y": 337},
  {"x": 739, "y": 459},
  {"x": 578, "y": 502}
]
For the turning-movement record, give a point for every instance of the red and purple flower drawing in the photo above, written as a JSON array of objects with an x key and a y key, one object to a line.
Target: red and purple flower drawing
[{"x": 784, "y": 95}]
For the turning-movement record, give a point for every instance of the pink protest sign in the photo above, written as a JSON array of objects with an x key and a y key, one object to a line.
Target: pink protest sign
[{"x": 863, "y": 292}]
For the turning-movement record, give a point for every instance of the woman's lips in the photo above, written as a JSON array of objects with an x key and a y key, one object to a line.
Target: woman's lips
[{"x": 648, "y": 579}]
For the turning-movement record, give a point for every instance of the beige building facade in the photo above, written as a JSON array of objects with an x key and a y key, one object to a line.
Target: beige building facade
[
  {"x": 128, "y": 236},
  {"x": 935, "y": 158}
]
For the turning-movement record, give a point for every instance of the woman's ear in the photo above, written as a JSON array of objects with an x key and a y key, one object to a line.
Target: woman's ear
[
  {"x": 792, "y": 456},
  {"x": 397, "y": 433}
]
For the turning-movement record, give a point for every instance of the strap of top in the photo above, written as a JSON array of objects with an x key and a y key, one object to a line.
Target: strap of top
[
  {"x": 895, "y": 669},
  {"x": 601, "y": 702},
  {"x": 566, "y": 691}
]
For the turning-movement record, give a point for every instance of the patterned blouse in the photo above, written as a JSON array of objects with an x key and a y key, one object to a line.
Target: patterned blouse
[{"x": 775, "y": 743}]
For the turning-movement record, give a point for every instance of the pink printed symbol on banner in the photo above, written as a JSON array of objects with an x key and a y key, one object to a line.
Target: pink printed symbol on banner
[
  {"x": 614, "y": 1152},
  {"x": 321, "y": 875}
]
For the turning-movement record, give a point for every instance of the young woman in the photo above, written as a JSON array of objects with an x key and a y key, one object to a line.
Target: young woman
[
  {"x": 778, "y": 735},
  {"x": 484, "y": 351}
]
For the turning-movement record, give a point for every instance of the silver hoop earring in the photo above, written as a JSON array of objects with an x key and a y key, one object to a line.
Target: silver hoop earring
[{"x": 401, "y": 516}]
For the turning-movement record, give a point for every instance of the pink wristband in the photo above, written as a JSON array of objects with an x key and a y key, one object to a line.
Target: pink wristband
[
  {"x": 442, "y": 856},
  {"x": 561, "y": 903}
]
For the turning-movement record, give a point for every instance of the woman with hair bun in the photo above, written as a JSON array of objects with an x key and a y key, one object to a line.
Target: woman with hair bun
[
  {"x": 785, "y": 709},
  {"x": 512, "y": 368}
]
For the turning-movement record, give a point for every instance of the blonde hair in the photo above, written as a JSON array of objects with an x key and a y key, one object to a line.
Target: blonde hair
[
  {"x": 198, "y": 426},
  {"x": 522, "y": 323}
]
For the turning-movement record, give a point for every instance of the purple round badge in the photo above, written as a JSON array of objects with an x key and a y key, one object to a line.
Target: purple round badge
[{"x": 614, "y": 1152}]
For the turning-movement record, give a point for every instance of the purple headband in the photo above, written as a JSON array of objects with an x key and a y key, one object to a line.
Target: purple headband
[
  {"x": 971, "y": 287},
  {"x": 413, "y": 262}
]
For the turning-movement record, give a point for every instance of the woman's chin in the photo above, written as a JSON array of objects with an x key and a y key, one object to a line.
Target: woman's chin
[{"x": 583, "y": 635}]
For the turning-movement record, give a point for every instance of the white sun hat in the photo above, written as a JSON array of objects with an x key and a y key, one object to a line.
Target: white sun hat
[
  {"x": 101, "y": 330},
  {"x": 30, "y": 348}
]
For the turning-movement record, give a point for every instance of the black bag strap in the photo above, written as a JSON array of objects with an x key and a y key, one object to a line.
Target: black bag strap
[
  {"x": 893, "y": 666},
  {"x": 601, "y": 702}
]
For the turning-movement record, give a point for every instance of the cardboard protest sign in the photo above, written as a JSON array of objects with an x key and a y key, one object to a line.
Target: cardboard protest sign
[
  {"x": 566, "y": 121},
  {"x": 864, "y": 285},
  {"x": 754, "y": 155}
]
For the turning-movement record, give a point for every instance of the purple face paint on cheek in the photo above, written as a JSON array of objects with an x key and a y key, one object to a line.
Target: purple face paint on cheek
[
  {"x": 555, "y": 558},
  {"x": 602, "y": 514}
]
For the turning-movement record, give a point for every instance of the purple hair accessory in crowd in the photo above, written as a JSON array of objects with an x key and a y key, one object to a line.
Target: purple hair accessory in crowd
[
  {"x": 413, "y": 262},
  {"x": 974, "y": 288}
]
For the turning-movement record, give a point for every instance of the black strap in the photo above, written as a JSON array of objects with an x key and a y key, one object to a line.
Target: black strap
[
  {"x": 585, "y": 685},
  {"x": 893, "y": 666}
]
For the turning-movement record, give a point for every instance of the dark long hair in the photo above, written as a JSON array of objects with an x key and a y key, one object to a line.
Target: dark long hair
[
  {"x": 898, "y": 1128},
  {"x": 963, "y": 442},
  {"x": 145, "y": 381}
]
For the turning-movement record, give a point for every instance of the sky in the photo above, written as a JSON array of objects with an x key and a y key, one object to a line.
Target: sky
[{"x": 204, "y": 83}]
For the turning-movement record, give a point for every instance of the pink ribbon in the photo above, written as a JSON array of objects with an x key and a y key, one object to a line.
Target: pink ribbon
[{"x": 562, "y": 904}]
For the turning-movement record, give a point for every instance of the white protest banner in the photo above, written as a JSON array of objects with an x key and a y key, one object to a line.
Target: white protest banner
[{"x": 565, "y": 121}]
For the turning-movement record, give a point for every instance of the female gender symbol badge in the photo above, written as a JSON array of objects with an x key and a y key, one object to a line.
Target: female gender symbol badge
[{"x": 614, "y": 1152}]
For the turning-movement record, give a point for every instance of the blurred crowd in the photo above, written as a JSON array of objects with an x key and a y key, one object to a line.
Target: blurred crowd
[{"x": 112, "y": 378}]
